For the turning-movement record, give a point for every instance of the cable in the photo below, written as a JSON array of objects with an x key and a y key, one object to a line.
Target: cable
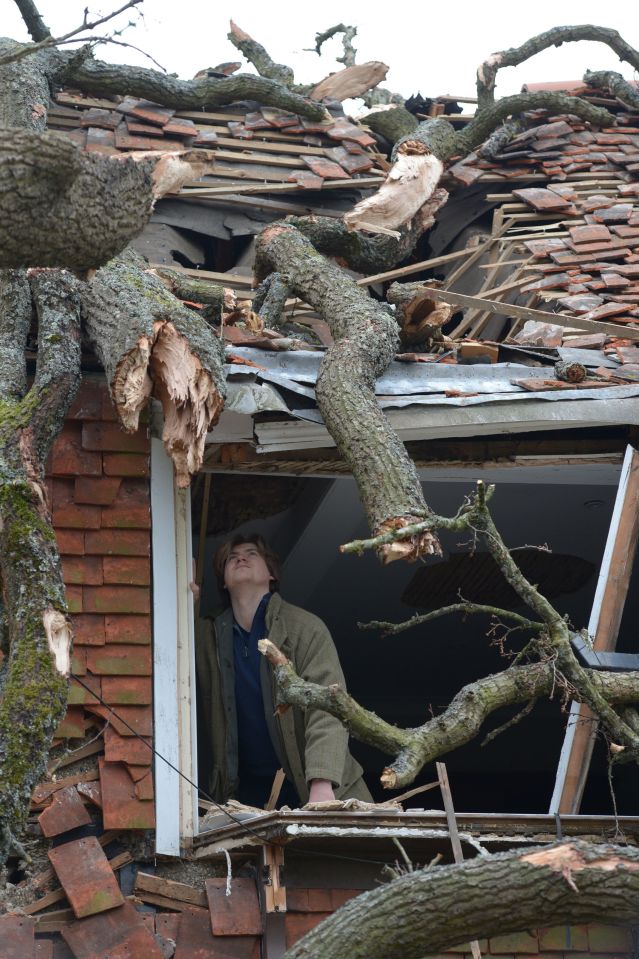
[{"x": 239, "y": 822}]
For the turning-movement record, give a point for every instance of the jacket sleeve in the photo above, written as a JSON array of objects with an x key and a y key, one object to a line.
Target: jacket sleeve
[{"x": 326, "y": 739}]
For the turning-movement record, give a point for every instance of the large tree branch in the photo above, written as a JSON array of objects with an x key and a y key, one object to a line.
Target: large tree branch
[
  {"x": 16, "y": 313},
  {"x": 95, "y": 76},
  {"x": 429, "y": 910},
  {"x": 615, "y": 84},
  {"x": 366, "y": 337},
  {"x": 349, "y": 34},
  {"x": 457, "y": 725},
  {"x": 150, "y": 344},
  {"x": 487, "y": 71},
  {"x": 420, "y": 156},
  {"x": 38, "y": 30},
  {"x": 258, "y": 56},
  {"x": 60, "y": 207}
]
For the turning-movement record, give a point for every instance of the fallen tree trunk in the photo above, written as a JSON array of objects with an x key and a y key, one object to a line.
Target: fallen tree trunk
[
  {"x": 366, "y": 337},
  {"x": 34, "y": 694},
  {"x": 152, "y": 345},
  {"x": 430, "y": 910}
]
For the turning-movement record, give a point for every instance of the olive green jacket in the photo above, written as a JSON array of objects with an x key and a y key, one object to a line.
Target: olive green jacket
[{"x": 310, "y": 744}]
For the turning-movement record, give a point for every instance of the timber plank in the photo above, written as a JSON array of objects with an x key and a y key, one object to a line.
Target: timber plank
[{"x": 171, "y": 889}]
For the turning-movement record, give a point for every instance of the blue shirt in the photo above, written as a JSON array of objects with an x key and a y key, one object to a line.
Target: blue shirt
[{"x": 257, "y": 756}]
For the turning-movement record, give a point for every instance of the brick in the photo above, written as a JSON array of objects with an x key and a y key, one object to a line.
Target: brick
[
  {"x": 606, "y": 938},
  {"x": 79, "y": 661},
  {"x": 319, "y": 900},
  {"x": 88, "y": 403},
  {"x": 74, "y": 598},
  {"x": 121, "y": 809},
  {"x": 340, "y": 896},
  {"x": 556, "y": 937},
  {"x": 127, "y": 517},
  {"x": 127, "y": 720},
  {"x": 88, "y": 630},
  {"x": 297, "y": 900},
  {"x": 79, "y": 695},
  {"x": 515, "y": 942},
  {"x": 69, "y": 459},
  {"x": 114, "y": 542},
  {"x": 82, "y": 570},
  {"x": 111, "y": 438},
  {"x": 127, "y": 690},
  {"x": 128, "y": 629},
  {"x": 235, "y": 915},
  {"x": 70, "y": 542},
  {"x": 116, "y": 599},
  {"x": 98, "y": 491},
  {"x": 129, "y": 570},
  {"x": 127, "y": 749},
  {"x": 74, "y": 724},
  {"x": 66, "y": 811},
  {"x": 120, "y": 933},
  {"x": 60, "y": 492},
  {"x": 297, "y": 924},
  {"x": 125, "y": 464},
  {"x": 119, "y": 660},
  {"x": 77, "y": 517}
]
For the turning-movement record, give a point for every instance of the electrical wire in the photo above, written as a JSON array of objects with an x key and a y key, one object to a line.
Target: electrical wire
[{"x": 239, "y": 822}]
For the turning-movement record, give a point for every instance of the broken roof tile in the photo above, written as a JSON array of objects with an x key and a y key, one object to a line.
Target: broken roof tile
[
  {"x": 178, "y": 127},
  {"x": 98, "y": 117},
  {"x": 235, "y": 915},
  {"x": 195, "y": 940},
  {"x": 617, "y": 213},
  {"x": 128, "y": 721},
  {"x": 152, "y": 112},
  {"x": 351, "y": 162},
  {"x": 323, "y": 167},
  {"x": 86, "y": 876},
  {"x": 121, "y": 809},
  {"x": 17, "y": 937},
  {"x": 127, "y": 749},
  {"x": 280, "y": 119},
  {"x": 542, "y": 200},
  {"x": 92, "y": 792},
  {"x": 239, "y": 131},
  {"x": 307, "y": 181},
  {"x": 119, "y": 934},
  {"x": 589, "y": 234},
  {"x": 65, "y": 812},
  {"x": 205, "y": 138}
]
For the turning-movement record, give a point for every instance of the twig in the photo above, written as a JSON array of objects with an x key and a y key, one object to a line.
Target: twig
[
  {"x": 49, "y": 41},
  {"x": 465, "y": 607},
  {"x": 511, "y": 722},
  {"x": 348, "y": 57}
]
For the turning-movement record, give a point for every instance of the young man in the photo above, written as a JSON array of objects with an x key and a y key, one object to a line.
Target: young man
[{"x": 248, "y": 740}]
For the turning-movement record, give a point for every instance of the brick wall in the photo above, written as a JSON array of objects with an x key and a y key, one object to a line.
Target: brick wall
[
  {"x": 308, "y": 907},
  {"x": 98, "y": 478}
]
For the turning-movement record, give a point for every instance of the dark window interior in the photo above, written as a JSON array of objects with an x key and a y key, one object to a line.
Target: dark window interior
[{"x": 409, "y": 677}]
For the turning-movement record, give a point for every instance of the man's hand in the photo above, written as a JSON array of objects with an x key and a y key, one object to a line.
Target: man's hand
[{"x": 321, "y": 790}]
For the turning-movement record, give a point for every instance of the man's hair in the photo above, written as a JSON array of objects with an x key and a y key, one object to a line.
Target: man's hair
[{"x": 222, "y": 554}]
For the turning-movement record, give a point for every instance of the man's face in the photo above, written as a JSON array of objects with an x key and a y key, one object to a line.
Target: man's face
[{"x": 246, "y": 566}]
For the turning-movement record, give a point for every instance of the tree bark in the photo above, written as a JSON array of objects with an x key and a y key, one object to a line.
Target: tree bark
[
  {"x": 257, "y": 55},
  {"x": 60, "y": 207},
  {"x": 95, "y": 76},
  {"x": 38, "y": 30},
  {"x": 420, "y": 156},
  {"x": 366, "y": 337},
  {"x": 34, "y": 696},
  {"x": 152, "y": 345},
  {"x": 429, "y": 910},
  {"x": 487, "y": 71},
  {"x": 615, "y": 84}
]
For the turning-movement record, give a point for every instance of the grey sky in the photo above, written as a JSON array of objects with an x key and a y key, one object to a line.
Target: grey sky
[{"x": 431, "y": 48}]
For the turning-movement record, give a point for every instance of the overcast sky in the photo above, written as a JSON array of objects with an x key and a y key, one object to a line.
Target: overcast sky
[{"x": 434, "y": 49}]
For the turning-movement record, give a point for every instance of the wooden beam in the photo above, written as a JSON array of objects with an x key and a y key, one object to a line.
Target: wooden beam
[
  {"x": 541, "y": 316},
  {"x": 603, "y": 629}
]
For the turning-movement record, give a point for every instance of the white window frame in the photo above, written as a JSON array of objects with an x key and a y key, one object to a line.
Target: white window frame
[{"x": 174, "y": 706}]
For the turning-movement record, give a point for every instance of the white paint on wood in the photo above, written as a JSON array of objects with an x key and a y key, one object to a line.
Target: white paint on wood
[
  {"x": 576, "y": 715},
  {"x": 165, "y": 658}
]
